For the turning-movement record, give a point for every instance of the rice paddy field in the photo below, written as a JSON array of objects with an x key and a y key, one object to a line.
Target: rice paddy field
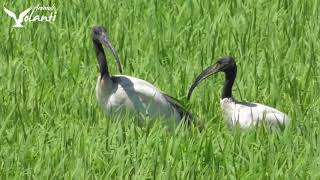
[{"x": 51, "y": 126}]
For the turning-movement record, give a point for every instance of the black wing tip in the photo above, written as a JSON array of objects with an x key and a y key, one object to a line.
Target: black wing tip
[{"x": 185, "y": 115}]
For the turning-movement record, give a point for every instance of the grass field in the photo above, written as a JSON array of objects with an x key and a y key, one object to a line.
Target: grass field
[{"x": 51, "y": 125}]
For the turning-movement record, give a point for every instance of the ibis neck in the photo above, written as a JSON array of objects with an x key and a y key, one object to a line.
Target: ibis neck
[
  {"x": 101, "y": 57},
  {"x": 230, "y": 76}
]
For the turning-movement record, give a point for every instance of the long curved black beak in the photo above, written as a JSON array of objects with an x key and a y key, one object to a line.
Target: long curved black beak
[
  {"x": 204, "y": 74},
  {"x": 108, "y": 44}
]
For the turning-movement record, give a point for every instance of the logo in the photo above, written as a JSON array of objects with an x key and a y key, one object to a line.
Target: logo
[
  {"x": 38, "y": 14},
  {"x": 21, "y": 16}
]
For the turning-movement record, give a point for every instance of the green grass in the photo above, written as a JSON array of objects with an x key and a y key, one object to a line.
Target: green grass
[{"x": 52, "y": 127}]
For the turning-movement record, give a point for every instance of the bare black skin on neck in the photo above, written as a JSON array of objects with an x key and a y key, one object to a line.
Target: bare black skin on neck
[
  {"x": 228, "y": 66},
  {"x": 101, "y": 57},
  {"x": 230, "y": 76}
]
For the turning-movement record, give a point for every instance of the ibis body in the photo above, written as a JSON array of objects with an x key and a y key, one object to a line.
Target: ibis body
[
  {"x": 250, "y": 114},
  {"x": 242, "y": 113},
  {"x": 120, "y": 93}
]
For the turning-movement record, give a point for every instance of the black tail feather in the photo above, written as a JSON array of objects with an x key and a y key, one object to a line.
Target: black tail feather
[{"x": 185, "y": 115}]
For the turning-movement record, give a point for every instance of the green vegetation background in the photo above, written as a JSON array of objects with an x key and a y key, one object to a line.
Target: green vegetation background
[{"x": 52, "y": 127}]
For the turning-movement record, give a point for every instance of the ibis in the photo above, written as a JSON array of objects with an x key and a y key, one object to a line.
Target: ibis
[
  {"x": 244, "y": 114},
  {"x": 120, "y": 93}
]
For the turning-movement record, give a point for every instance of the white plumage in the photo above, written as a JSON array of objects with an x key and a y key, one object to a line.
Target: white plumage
[
  {"x": 125, "y": 93},
  {"x": 119, "y": 94},
  {"x": 244, "y": 114},
  {"x": 250, "y": 114}
]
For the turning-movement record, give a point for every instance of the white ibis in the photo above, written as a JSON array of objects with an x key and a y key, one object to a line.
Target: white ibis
[
  {"x": 119, "y": 93},
  {"x": 242, "y": 113}
]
